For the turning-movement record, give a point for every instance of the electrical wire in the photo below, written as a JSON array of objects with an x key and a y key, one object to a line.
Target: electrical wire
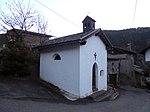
[
  {"x": 134, "y": 12},
  {"x": 57, "y": 14}
]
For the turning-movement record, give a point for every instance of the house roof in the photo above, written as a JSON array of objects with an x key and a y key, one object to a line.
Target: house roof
[
  {"x": 119, "y": 50},
  {"x": 79, "y": 37},
  {"x": 29, "y": 32},
  {"x": 144, "y": 50}
]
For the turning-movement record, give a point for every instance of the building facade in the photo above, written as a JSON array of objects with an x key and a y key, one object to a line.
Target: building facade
[{"x": 120, "y": 67}]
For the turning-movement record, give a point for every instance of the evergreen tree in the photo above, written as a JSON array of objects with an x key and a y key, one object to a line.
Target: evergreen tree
[{"x": 18, "y": 58}]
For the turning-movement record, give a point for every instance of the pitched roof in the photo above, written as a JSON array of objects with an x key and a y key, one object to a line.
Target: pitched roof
[
  {"x": 144, "y": 50},
  {"x": 119, "y": 50},
  {"x": 88, "y": 17},
  {"x": 79, "y": 37},
  {"x": 29, "y": 32}
]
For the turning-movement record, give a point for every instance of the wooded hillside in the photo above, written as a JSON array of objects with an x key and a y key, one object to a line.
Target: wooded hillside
[{"x": 138, "y": 37}]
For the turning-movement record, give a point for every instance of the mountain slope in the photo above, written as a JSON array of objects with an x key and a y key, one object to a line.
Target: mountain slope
[{"x": 139, "y": 38}]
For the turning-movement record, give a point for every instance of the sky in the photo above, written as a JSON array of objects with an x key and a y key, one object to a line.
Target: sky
[{"x": 65, "y": 16}]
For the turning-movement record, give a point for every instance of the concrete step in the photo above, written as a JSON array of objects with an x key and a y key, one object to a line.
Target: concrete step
[
  {"x": 106, "y": 96},
  {"x": 97, "y": 94},
  {"x": 114, "y": 96},
  {"x": 114, "y": 93},
  {"x": 110, "y": 94}
]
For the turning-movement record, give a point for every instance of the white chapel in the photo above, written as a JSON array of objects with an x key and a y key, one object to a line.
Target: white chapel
[{"x": 76, "y": 64}]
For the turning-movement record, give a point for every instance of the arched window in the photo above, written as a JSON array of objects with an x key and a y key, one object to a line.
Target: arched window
[{"x": 57, "y": 57}]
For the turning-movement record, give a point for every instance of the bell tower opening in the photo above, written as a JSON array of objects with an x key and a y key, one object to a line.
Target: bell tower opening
[{"x": 88, "y": 24}]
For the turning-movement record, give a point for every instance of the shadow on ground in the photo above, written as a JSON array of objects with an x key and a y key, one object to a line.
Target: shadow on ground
[{"x": 31, "y": 89}]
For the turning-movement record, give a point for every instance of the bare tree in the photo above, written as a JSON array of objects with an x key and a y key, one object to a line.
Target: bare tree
[
  {"x": 19, "y": 16},
  {"x": 18, "y": 56},
  {"x": 42, "y": 25}
]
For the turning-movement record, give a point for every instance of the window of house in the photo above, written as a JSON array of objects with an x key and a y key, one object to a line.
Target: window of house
[
  {"x": 57, "y": 57},
  {"x": 4, "y": 45},
  {"x": 113, "y": 69}
]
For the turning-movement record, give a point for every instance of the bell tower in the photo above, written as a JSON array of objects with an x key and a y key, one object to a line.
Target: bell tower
[{"x": 88, "y": 24}]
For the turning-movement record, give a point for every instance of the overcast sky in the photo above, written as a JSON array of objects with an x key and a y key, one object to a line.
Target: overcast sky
[{"x": 109, "y": 14}]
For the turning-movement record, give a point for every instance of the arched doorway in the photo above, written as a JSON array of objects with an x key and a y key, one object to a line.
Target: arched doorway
[{"x": 94, "y": 77}]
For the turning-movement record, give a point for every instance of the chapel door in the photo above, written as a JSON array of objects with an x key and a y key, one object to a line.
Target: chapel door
[{"x": 94, "y": 77}]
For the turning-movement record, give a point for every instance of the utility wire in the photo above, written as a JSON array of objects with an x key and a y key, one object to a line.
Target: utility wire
[
  {"x": 57, "y": 14},
  {"x": 134, "y": 12}
]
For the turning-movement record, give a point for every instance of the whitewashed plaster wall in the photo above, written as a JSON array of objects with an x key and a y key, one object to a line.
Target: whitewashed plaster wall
[
  {"x": 87, "y": 60},
  {"x": 63, "y": 73},
  {"x": 147, "y": 55},
  {"x": 73, "y": 73}
]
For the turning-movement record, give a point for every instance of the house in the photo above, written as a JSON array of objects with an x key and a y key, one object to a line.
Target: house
[
  {"x": 146, "y": 53},
  {"x": 3, "y": 42},
  {"x": 145, "y": 60},
  {"x": 31, "y": 39},
  {"x": 77, "y": 63},
  {"x": 120, "y": 66}
]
